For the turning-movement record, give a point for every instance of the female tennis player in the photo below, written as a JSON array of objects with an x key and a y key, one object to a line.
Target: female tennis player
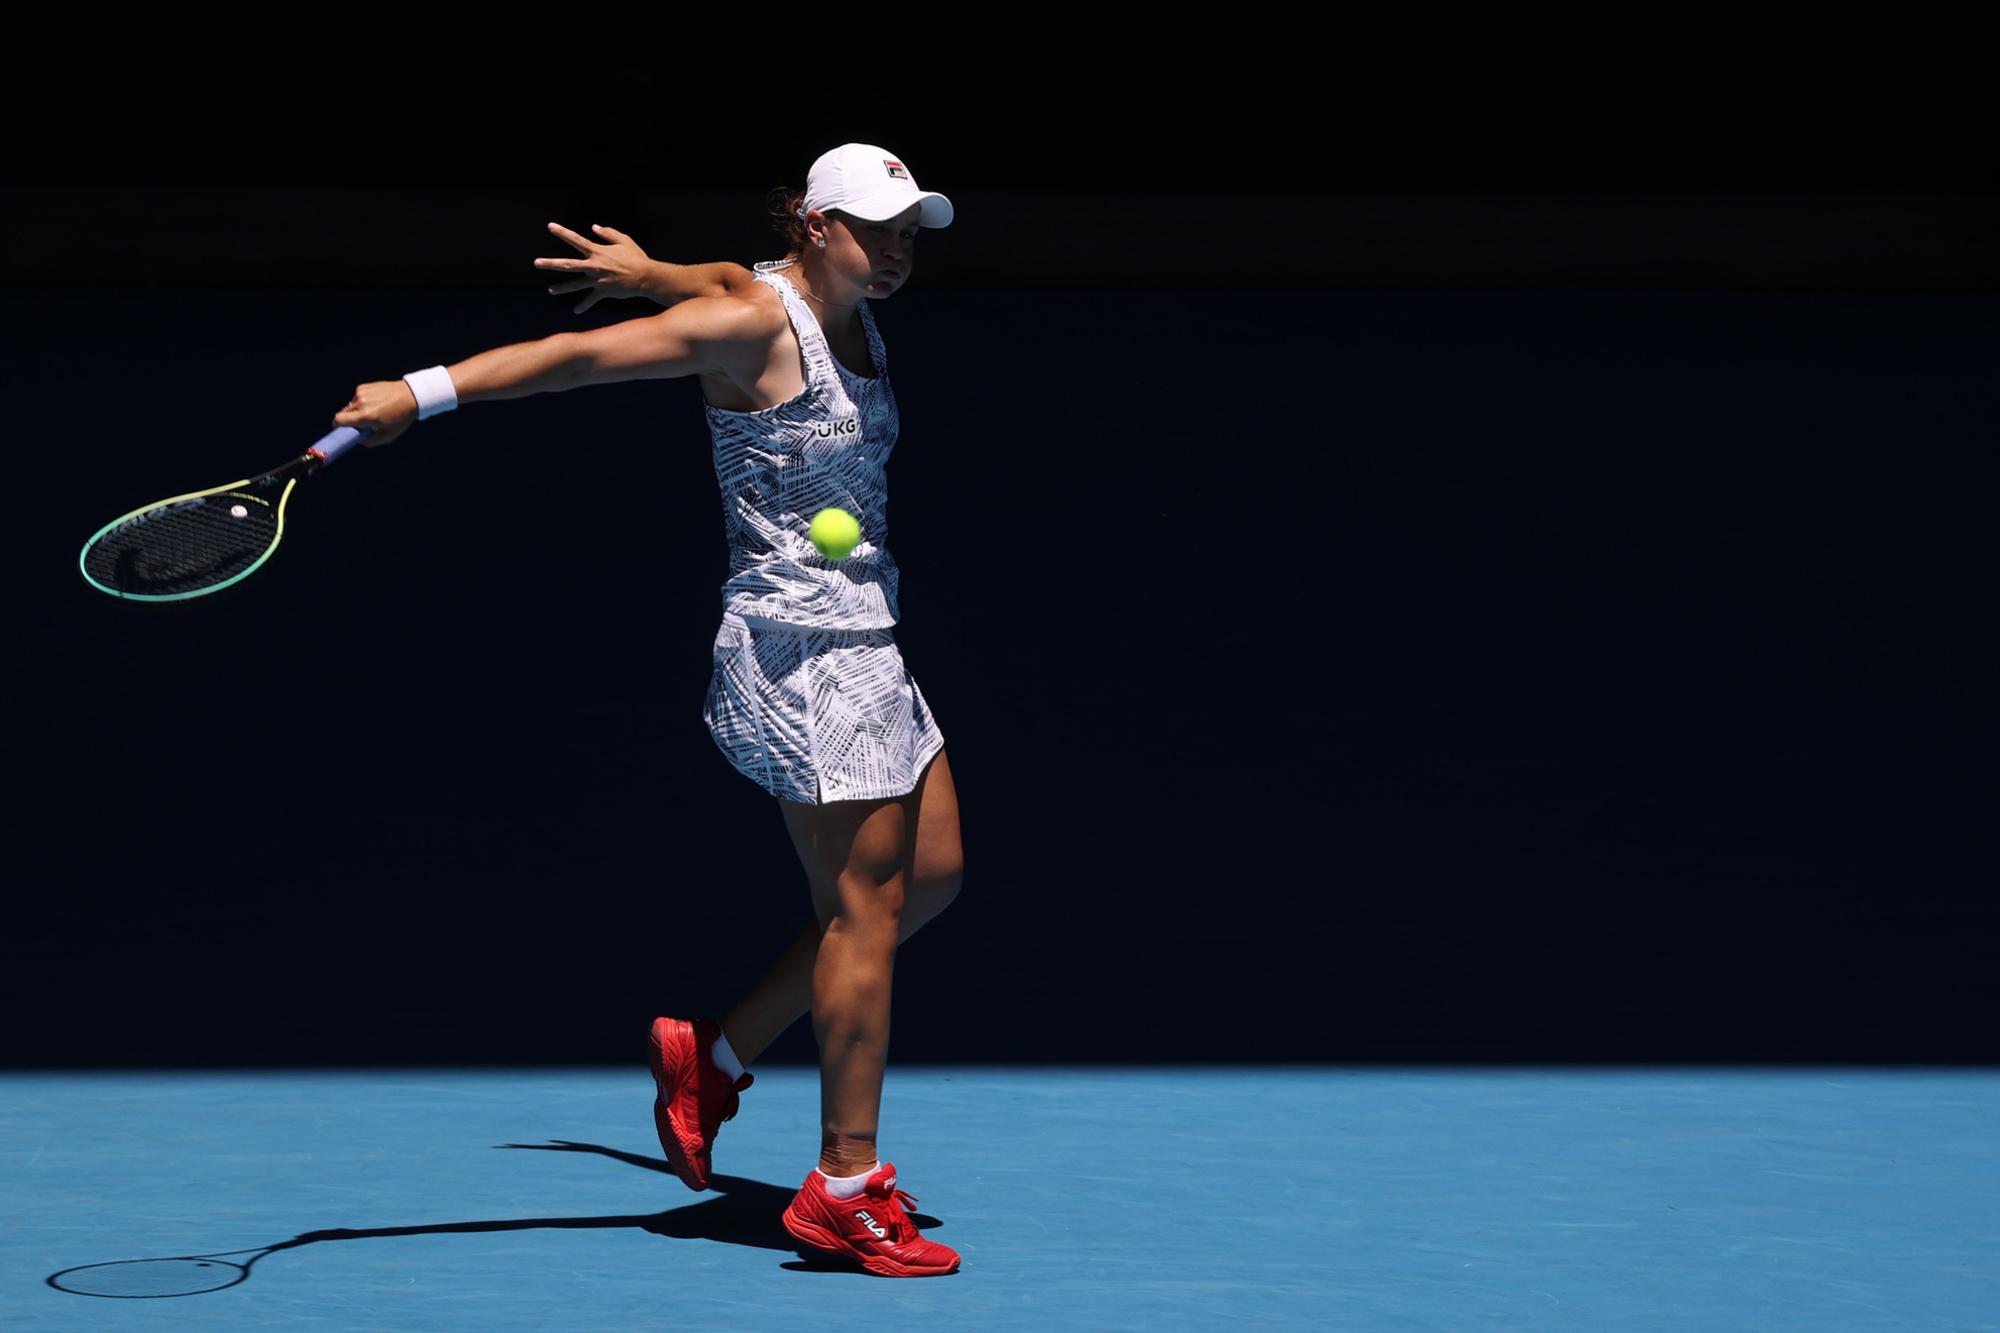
[{"x": 809, "y": 696}]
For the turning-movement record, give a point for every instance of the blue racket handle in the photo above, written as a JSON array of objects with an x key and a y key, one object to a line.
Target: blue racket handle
[{"x": 337, "y": 442}]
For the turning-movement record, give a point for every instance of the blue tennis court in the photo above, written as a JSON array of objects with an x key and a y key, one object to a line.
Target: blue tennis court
[{"x": 1368, "y": 1198}]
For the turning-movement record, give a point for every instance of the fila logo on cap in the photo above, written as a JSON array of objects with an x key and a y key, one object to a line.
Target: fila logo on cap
[{"x": 895, "y": 169}]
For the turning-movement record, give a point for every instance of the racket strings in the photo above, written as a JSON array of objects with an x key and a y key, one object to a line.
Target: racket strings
[{"x": 194, "y": 543}]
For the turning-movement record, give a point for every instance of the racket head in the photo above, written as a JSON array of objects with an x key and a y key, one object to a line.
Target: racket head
[
  {"x": 194, "y": 544},
  {"x": 202, "y": 542}
]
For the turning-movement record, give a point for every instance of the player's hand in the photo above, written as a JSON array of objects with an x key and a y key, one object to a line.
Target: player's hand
[
  {"x": 385, "y": 408},
  {"x": 614, "y": 266}
]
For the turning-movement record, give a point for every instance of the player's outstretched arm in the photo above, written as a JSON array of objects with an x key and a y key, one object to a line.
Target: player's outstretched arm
[
  {"x": 726, "y": 335},
  {"x": 613, "y": 265}
]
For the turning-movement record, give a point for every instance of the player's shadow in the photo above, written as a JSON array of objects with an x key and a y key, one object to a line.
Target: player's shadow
[{"x": 741, "y": 1212}]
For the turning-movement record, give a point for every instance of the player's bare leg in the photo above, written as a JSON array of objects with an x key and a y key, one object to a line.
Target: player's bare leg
[
  {"x": 861, "y": 844},
  {"x": 784, "y": 994}
]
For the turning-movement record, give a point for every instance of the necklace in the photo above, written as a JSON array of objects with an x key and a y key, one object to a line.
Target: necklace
[
  {"x": 795, "y": 278},
  {"x": 800, "y": 284}
]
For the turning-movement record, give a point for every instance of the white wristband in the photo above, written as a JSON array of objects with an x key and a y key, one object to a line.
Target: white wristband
[{"x": 434, "y": 390}]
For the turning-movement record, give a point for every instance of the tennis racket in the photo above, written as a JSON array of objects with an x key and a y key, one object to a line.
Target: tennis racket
[{"x": 194, "y": 544}]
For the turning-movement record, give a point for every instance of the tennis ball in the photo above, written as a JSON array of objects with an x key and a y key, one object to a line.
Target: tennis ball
[{"x": 834, "y": 532}]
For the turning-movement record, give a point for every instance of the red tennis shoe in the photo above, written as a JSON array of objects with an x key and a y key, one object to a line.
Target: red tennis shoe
[
  {"x": 693, "y": 1097},
  {"x": 871, "y": 1228}
]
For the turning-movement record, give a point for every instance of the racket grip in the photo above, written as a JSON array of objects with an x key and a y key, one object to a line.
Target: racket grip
[{"x": 335, "y": 443}]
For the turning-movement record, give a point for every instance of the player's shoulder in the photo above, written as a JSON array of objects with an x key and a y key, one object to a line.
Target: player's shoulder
[{"x": 750, "y": 313}]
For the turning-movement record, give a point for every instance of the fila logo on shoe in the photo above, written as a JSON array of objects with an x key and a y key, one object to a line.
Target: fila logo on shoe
[{"x": 881, "y": 1232}]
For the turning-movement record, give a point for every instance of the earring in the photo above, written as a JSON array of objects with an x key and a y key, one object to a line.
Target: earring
[{"x": 822, "y": 244}]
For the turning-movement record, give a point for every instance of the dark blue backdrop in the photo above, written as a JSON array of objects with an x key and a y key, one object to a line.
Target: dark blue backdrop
[{"x": 1326, "y": 675}]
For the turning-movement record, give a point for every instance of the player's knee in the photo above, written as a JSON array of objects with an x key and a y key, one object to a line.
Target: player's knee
[{"x": 868, "y": 899}]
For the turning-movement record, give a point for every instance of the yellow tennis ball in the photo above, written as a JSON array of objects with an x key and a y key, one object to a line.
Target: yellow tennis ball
[{"x": 834, "y": 532}]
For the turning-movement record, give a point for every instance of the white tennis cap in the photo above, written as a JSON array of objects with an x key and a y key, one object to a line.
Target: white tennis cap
[{"x": 872, "y": 184}]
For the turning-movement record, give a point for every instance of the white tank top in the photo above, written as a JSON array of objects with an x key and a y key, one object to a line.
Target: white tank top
[{"x": 779, "y": 466}]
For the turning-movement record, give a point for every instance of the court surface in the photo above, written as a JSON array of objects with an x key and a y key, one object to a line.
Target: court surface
[{"x": 1114, "y": 1198}]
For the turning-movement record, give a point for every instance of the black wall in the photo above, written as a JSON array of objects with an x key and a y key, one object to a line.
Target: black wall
[{"x": 1559, "y": 636}]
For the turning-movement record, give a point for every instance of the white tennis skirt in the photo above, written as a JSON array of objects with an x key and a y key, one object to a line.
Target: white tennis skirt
[{"x": 818, "y": 715}]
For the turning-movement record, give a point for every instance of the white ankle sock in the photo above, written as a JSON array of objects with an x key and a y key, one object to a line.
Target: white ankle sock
[
  {"x": 725, "y": 1058},
  {"x": 846, "y": 1187}
]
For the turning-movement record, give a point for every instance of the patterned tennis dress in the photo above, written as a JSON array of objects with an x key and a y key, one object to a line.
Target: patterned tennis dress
[{"x": 809, "y": 697}]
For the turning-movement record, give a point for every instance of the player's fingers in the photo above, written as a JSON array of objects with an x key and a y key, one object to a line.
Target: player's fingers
[
  {"x": 612, "y": 232},
  {"x": 579, "y": 242},
  {"x": 589, "y": 301}
]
